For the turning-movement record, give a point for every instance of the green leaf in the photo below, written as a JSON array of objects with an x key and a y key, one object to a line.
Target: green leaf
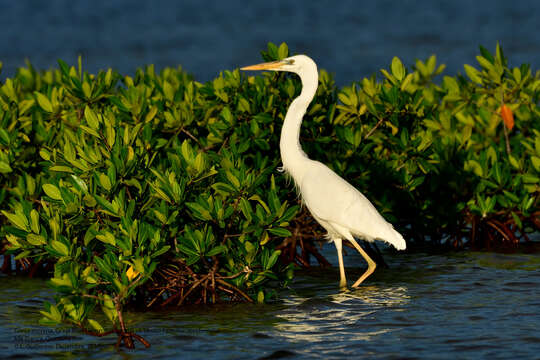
[
  {"x": 451, "y": 85},
  {"x": 517, "y": 220},
  {"x": 188, "y": 251},
  {"x": 96, "y": 326},
  {"x": 511, "y": 196},
  {"x": 90, "y": 131},
  {"x": 161, "y": 251},
  {"x": 344, "y": 98},
  {"x": 485, "y": 63},
  {"x": 536, "y": 163},
  {"x": 60, "y": 247},
  {"x": 51, "y": 312},
  {"x": 19, "y": 220},
  {"x": 217, "y": 250},
  {"x": 473, "y": 74},
  {"x": 279, "y": 231},
  {"x": 61, "y": 168},
  {"x": 233, "y": 179},
  {"x": 45, "y": 155},
  {"x": 36, "y": 240},
  {"x": 91, "y": 118},
  {"x": 151, "y": 113},
  {"x": 530, "y": 179},
  {"x": 261, "y": 201},
  {"x": 5, "y": 168},
  {"x": 111, "y": 133},
  {"x": 9, "y": 90},
  {"x": 243, "y": 105},
  {"x": 109, "y": 309},
  {"x": 108, "y": 77},
  {"x": 272, "y": 260},
  {"x": 80, "y": 184},
  {"x": 226, "y": 114},
  {"x": 161, "y": 217},
  {"x": 44, "y": 102},
  {"x": 485, "y": 53},
  {"x": 246, "y": 209},
  {"x": 186, "y": 151},
  {"x": 199, "y": 162},
  {"x": 168, "y": 91},
  {"x": 52, "y": 191},
  {"x": 406, "y": 83},
  {"x": 4, "y": 137},
  {"x": 198, "y": 211},
  {"x": 398, "y": 70},
  {"x": 272, "y": 51},
  {"x": 34, "y": 221},
  {"x": 107, "y": 238},
  {"x": 514, "y": 162},
  {"x": 283, "y": 51},
  {"x": 474, "y": 166},
  {"x": 390, "y": 77},
  {"x": 289, "y": 213},
  {"x": 103, "y": 266},
  {"x": 87, "y": 91},
  {"x": 105, "y": 181},
  {"x": 23, "y": 255},
  {"x": 63, "y": 67}
]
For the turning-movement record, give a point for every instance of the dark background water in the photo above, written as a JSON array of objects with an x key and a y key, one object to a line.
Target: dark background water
[{"x": 349, "y": 38}]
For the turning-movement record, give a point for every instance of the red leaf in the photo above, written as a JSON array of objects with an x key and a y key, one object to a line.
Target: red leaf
[{"x": 507, "y": 116}]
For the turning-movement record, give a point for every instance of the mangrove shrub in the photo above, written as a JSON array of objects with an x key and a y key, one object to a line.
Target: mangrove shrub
[{"x": 158, "y": 190}]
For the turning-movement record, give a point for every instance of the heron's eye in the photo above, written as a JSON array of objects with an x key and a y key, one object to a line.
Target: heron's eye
[{"x": 290, "y": 61}]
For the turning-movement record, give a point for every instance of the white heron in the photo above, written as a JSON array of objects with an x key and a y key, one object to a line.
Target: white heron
[{"x": 339, "y": 207}]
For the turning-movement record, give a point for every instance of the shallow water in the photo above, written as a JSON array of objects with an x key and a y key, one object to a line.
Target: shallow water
[{"x": 463, "y": 305}]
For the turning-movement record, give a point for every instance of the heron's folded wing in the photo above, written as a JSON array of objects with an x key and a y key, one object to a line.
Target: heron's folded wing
[{"x": 332, "y": 199}]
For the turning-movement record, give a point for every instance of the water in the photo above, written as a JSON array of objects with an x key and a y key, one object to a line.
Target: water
[
  {"x": 462, "y": 305},
  {"x": 349, "y": 38}
]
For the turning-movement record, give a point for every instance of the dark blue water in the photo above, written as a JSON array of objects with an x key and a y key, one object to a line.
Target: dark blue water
[
  {"x": 350, "y": 38},
  {"x": 457, "y": 306}
]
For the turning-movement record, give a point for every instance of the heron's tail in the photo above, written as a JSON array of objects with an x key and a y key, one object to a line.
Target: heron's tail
[{"x": 398, "y": 241}]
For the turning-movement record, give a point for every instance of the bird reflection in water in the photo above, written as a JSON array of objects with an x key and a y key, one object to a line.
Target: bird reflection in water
[{"x": 352, "y": 314}]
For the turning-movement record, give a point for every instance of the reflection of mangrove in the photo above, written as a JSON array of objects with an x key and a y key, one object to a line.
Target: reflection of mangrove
[{"x": 343, "y": 316}]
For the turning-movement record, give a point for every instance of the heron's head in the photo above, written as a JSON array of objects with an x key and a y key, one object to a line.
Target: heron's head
[{"x": 298, "y": 64}]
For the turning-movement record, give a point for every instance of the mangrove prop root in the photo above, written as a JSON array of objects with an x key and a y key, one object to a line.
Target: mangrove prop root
[
  {"x": 25, "y": 266},
  {"x": 124, "y": 337},
  {"x": 304, "y": 232},
  {"x": 176, "y": 283},
  {"x": 500, "y": 230}
]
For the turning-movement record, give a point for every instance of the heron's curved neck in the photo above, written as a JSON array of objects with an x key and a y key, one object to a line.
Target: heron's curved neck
[{"x": 292, "y": 155}]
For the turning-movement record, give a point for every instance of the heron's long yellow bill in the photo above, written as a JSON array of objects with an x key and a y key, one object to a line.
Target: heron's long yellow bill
[{"x": 265, "y": 66}]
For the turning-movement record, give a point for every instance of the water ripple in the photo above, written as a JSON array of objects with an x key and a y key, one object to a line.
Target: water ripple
[{"x": 425, "y": 306}]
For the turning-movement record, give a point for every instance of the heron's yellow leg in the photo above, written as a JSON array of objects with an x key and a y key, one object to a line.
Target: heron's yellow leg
[
  {"x": 371, "y": 264},
  {"x": 342, "y": 278}
]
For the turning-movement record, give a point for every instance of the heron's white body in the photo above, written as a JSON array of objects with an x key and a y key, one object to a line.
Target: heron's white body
[
  {"x": 344, "y": 213},
  {"x": 339, "y": 207}
]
